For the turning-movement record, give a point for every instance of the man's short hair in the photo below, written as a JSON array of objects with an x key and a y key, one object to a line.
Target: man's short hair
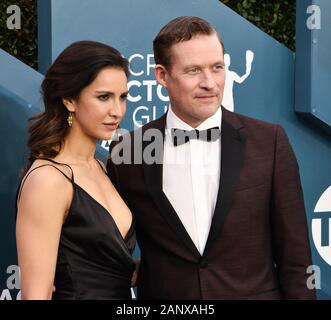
[{"x": 177, "y": 30}]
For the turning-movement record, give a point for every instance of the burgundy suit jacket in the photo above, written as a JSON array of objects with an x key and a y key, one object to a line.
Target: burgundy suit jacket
[{"x": 258, "y": 245}]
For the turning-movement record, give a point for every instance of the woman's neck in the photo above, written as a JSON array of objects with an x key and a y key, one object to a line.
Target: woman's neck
[{"x": 78, "y": 149}]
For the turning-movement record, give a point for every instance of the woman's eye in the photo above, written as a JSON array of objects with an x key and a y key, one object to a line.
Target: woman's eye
[{"x": 103, "y": 97}]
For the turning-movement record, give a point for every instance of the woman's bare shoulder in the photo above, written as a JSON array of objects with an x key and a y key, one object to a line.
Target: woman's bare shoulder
[{"x": 44, "y": 185}]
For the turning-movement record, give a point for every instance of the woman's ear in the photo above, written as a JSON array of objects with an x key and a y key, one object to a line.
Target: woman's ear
[{"x": 69, "y": 104}]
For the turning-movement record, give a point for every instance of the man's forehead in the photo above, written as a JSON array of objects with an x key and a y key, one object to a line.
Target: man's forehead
[
  {"x": 198, "y": 44},
  {"x": 211, "y": 38},
  {"x": 210, "y": 57}
]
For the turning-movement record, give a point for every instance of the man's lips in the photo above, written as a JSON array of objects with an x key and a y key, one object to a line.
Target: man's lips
[{"x": 206, "y": 96}]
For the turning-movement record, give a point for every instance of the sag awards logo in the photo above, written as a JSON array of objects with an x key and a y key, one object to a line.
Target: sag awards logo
[
  {"x": 145, "y": 92},
  {"x": 12, "y": 290},
  {"x": 321, "y": 226}
]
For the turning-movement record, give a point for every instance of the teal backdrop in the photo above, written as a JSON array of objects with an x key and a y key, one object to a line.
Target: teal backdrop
[{"x": 269, "y": 88}]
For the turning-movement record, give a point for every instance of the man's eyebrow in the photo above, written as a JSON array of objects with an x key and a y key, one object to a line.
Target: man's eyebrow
[
  {"x": 221, "y": 62},
  {"x": 192, "y": 66}
]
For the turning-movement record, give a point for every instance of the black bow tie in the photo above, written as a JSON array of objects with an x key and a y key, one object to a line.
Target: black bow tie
[{"x": 180, "y": 136}]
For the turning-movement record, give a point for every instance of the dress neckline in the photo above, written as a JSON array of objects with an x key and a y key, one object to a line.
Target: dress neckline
[{"x": 124, "y": 239}]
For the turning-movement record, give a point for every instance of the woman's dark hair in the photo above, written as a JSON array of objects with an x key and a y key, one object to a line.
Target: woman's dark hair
[{"x": 74, "y": 69}]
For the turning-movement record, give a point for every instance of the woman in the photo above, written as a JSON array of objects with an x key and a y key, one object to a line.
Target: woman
[{"x": 75, "y": 235}]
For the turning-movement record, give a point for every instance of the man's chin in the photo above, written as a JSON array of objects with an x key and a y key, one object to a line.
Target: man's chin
[{"x": 208, "y": 111}]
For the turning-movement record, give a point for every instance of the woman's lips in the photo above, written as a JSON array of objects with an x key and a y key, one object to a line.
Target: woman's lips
[{"x": 111, "y": 125}]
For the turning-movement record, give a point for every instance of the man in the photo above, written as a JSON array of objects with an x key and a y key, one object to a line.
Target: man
[{"x": 222, "y": 216}]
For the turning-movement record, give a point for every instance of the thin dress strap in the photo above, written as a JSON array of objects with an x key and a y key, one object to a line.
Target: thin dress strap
[
  {"x": 62, "y": 164},
  {"x": 44, "y": 165}
]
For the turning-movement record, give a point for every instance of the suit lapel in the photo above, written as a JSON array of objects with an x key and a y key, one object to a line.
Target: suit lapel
[
  {"x": 232, "y": 154},
  {"x": 153, "y": 178}
]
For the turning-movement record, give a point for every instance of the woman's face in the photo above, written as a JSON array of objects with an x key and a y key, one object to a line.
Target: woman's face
[{"x": 101, "y": 105}]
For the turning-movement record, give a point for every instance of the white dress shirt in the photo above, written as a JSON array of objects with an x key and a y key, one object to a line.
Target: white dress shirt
[{"x": 191, "y": 176}]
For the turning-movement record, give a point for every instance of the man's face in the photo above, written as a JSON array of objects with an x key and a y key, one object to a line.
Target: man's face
[{"x": 195, "y": 81}]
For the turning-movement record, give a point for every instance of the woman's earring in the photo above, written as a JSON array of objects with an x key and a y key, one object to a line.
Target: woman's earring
[{"x": 70, "y": 119}]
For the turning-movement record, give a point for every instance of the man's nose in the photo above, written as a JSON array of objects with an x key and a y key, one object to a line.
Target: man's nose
[{"x": 207, "y": 80}]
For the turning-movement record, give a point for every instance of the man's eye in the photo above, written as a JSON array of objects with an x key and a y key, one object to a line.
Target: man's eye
[
  {"x": 103, "y": 97},
  {"x": 124, "y": 97},
  {"x": 194, "y": 71},
  {"x": 219, "y": 67}
]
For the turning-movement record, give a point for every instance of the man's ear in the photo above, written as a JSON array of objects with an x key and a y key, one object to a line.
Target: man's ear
[
  {"x": 69, "y": 104},
  {"x": 161, "y": 75}
]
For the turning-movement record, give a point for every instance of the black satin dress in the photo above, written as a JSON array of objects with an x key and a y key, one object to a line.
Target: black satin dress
[{"x": 94, "y": 261}]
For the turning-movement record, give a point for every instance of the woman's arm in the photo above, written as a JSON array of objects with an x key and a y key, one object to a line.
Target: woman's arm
[{"x": 44, "y": 200}]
